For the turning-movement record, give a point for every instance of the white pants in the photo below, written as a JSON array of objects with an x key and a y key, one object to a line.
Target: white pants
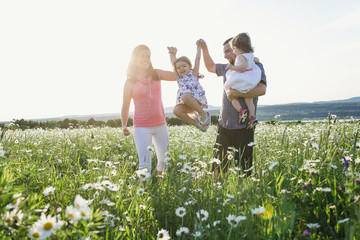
[{"x": 144, "y": 137}]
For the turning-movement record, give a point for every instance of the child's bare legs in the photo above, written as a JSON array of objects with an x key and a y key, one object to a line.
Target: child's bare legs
[
  {"x": 236, "y": 104},
  {"x": 242, "y": 111},
  {"x": 252, "y": 119},
  {"x": 182, "y": 112},
  {"x": 192, "y": 103},
  {"x": 250, "y": 105}
]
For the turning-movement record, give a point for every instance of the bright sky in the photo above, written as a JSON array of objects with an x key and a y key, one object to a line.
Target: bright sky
[{"x": 70, "y": 57}]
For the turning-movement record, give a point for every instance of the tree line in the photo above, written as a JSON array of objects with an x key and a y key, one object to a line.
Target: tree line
[{"x": 74, "y": 123}]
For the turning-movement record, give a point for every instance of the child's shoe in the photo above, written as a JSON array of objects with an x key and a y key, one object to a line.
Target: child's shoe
[
  {"x": 242, "y": 115},
  {"x": 202, "y": 127},
  {"x": 252, "y": 122}
]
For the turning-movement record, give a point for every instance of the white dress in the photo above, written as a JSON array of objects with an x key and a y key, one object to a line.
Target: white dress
[{"x": 245, "y": 81}]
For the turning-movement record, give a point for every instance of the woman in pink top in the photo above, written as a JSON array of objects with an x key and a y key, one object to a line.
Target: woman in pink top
[{"x": 144, "y": 87}]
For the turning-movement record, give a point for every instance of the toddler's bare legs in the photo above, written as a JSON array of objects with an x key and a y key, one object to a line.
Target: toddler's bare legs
[
  {"x": 182, "y": 112},
  {"x": 236, "y": 104},
  {"x": 192, "y": 103},
  {"x": 250, "y": 105}
]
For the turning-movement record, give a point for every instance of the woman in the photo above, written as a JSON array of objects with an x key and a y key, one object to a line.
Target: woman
[{"x": 144, "y": 87}]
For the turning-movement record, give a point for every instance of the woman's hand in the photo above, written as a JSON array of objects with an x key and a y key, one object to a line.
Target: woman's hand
[{"x": 126, "y": 131}]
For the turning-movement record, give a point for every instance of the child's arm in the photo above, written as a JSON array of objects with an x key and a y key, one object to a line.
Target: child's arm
[
  {"x": 242, "y": 65},
  {"x": 172, "y": 52},
  {"x": 197, "y": 59}
]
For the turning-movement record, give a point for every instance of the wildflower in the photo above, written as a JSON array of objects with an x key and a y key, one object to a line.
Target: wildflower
[
  {"x": 180, "y": 212},
  {"x": 2, "y": 153},
  {"x": 306, "y": 233},
  {"x": 357, "y": 180},
  {"x": 13, "y": 216},
  {"x": 114, "y": 187},
  {"x": 216, "y": 223},
  {"x": 79, "y": 202},
  {"x": 140, "y": 191},
  {"x": 73, "y": 214},
  {"x": 88, "y": 187},
  {"x": 258, "y": 210},
  {"x": 252, "y": 144},
  {"x": 143, "y": 174},
  {"x": 313, "y": 225},
  {"x": 344, "y": 220},
  {"x": 49, "y": 191},
  {"x": 150, "y": 148},
  {"x": 233, "y": 220},
  {"x": 346, "y": 163},
  {"x": 45, "y": 227},
  {"x": 163, "y": 235},
  {"x": 268, "y": 213},
  {"x": 326, "y": 190},
  {"x": 215, "y": 160},
  {"x": 15, "y": 203},
  {"x": 230, "y": 196},
  {"x": 202, "y": 215},
  {"x": 305, "y": 184},
  {"x": 85, "y": 212},
  {"x": 197, "y": 234},
  {"x": 273, "y": 165},
  {"x": 315, "y": 145},
  {"x": 181, "y": 231}
]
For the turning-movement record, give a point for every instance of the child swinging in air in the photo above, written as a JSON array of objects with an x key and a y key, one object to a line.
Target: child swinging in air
[
  {"x": 190, "y": 95},
  {"x": 243, "y": 76}
]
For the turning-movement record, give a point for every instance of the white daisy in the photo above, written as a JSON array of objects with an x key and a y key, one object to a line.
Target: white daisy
[
  {"x": 202, "y": 215},
  {"x": 258, "y": 210},
  {"x": 49, "y": 191},
  {"x": 180, "y": 212},
  {"x": 163, "y": 235},
  {"x": 181, "y": 231},
  {"x": 313, "y": 225},
  {"x": 73, "y": 214}
]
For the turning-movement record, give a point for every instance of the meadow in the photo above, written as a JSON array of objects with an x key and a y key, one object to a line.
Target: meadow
[{"x": 84, "y": 184}]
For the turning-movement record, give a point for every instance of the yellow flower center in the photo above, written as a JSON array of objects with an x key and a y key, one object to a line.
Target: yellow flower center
[
  {"x": 70, "y": 215},
  {"x": 14, "y": 202},
  {"x": 89, "y": 187},
  {"x": 48, "y": 226},
  {"x": 83, "y": 214},
  {"x": 8, "y": 220},
  {"x": 50, "y": 192},
  {"x": 36, "y": 235}
]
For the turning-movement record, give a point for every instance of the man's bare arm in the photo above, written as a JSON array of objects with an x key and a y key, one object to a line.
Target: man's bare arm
[
  {"x": 209, "y": 63},
  {"x": 259, "y": 90}
]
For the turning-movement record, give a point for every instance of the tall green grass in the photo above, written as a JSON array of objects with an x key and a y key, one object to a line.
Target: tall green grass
[{"x": 298, "y": 188}]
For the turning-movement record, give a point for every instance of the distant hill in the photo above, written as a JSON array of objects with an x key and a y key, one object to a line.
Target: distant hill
[{"x": 292, "y": 111}]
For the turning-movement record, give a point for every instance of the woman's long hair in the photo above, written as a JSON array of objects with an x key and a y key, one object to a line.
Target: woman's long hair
[{"x": 132, "y": 70}]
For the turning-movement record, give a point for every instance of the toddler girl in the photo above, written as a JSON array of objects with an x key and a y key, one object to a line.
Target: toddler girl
[
  {"x": 243, "y": 76},
  {"x": 190, "y": 96}
]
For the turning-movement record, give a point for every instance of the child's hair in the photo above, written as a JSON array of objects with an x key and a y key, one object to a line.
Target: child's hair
[
  {"x": 187, "y": 60},
  {"x": 243, "y": 42},
  {"x": 181, "y": 59},
  {"x": 132, "y": 68}
]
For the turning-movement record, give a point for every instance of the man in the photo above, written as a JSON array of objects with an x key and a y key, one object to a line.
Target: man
[{"x": 232, "y": 137}]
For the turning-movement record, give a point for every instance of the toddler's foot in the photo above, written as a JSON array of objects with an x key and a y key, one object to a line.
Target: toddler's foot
[
  {"x": 252, "y": 122},
  {"x": 242, "y": 115}
]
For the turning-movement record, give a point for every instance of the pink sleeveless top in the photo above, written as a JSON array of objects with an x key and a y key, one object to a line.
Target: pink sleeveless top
[{"x": 149, "y": 109}]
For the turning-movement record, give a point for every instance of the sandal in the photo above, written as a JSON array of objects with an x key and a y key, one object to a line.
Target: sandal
[
  {"x": 201, "y": 124},
  {"x": 243, "y": 115},
  {"x": 252, "y": 122}
]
